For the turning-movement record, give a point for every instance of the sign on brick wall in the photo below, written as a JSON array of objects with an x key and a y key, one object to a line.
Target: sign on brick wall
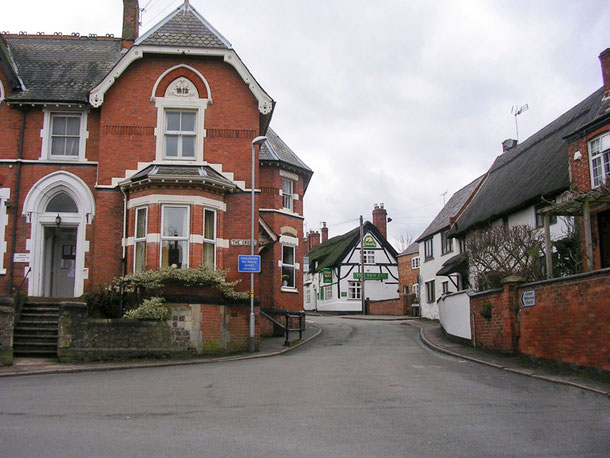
[{"x": 528, "y": 298}]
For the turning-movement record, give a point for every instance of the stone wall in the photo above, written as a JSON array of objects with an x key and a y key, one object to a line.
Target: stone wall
[
  {"x": 191, "y": 329},
  {"x": 7, "y": 322}
]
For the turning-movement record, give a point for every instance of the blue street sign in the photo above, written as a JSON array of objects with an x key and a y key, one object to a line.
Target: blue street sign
[{"x": 249, "y": 263}]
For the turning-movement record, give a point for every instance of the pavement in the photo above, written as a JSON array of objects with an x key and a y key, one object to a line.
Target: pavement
[
  {"x": 430, "y": 332},
  {"x": 270, "y": 346}
]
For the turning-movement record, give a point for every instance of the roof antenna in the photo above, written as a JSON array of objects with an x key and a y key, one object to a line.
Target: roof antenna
[
  {"x": 516, "y": 111},
  {"x": 444, "y": 196}
]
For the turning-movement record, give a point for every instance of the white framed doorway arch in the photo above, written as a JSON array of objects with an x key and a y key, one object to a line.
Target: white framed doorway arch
[{"x": 34, "y": 209}]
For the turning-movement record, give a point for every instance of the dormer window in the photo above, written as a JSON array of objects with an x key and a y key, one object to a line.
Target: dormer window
[{"x": 64, "y": 135}]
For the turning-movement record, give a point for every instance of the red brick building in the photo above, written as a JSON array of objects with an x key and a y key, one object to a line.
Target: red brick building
[{"x": 119, "y": 155}]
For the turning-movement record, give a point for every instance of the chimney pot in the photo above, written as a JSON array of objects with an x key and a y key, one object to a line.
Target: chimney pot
[
  {"x": 380, "y": 219},
  {"x": 324, "y": 231},
  {"x": 507, "y": 144}
]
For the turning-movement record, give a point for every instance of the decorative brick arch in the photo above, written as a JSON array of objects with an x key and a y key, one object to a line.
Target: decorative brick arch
[{"x": 184, "y": 71}]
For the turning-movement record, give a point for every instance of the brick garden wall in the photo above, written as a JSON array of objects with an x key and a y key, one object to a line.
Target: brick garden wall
[
  {"x": 569, "y": 323},
  {"x": 396, "y": 307},
  {"x": 7, "y": 320}
]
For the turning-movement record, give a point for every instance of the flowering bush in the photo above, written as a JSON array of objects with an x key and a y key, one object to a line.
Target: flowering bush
[{"x": 151, "y": 309}]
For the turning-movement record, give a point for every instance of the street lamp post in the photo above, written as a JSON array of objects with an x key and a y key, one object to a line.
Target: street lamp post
[{"x": 257, "y": 141}]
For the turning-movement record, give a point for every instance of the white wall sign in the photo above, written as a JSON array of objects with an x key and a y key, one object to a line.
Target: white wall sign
[
  {"x": 21, "y": 257},
  {"x": 241, "y": 242},
  {"x": 528, "y": 298}
]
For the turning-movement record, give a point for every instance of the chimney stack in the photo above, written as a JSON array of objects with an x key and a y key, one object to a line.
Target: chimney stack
[
  {"x": 313, "y": 239},
  {"x": 131, "y": 22},
  {"x": 507, "y": 144},
  {"x": 380, "y": 219},
  {"x": 324, "y": 231},
  {"x": 604, "y": 58}
]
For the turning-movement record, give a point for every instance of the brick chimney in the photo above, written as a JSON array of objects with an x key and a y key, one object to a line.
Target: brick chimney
[
  {"x": 507, "y": 144},
  {"x": 380, "y": 219},
  {"x": 324, "y": 231},
  {"x": 313, "y": 239},
  {"x": 131, "y": 22},
  {"x": 604, "y": 58}
]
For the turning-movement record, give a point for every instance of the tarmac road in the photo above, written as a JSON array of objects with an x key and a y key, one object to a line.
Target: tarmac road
[{"x": 363, "y": 388}]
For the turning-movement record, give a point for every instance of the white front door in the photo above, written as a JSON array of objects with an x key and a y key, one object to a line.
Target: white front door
[{"x": 59, "y": 261}]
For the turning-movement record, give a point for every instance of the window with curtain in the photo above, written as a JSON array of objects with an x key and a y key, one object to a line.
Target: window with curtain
[
  {"x": 140, "y": 239},
  {"x": 175, "y": 236},
  {"x": 209, "y": 237}
]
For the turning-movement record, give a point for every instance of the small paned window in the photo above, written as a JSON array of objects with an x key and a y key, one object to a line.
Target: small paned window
[
  {"x": 599, "y": 154},
  {"x": 175, "y": 236},
  {"x": 180, "y": 134},
  {"x": 209, "y": 237},
  {"x": 327, "y": 292},
  {"x": 540, "y": 217},
  {"x": 428, "y": 249},
  {"x": 287, "y": 194},
  {"x": 430, "y": 296},
  {"x": 415, "y": 263},
  {"x": 415, "y": 288},
  {"x": 307, "y": 296},
  {"x": 445, "y": 287},
  {"x": 369, "y": 256},
  {"x": 354, "y": 290},
  {"x": 288, "y": 266},
  {"x": 140, "y": 239}
]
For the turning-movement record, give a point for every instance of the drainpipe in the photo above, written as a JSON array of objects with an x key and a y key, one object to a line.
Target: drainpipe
[
  {"x": 124, "y": 244},
  {"x": 16, "y": 201}
]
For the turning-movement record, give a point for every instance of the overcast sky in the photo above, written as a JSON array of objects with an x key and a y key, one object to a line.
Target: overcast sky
[{"x": 387, "y": 101}]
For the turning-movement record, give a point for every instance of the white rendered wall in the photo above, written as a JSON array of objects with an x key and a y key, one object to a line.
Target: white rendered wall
[{"x": 454, "y": 314}]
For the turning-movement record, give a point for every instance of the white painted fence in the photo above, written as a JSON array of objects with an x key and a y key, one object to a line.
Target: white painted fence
[{"x": 454, "y": 313}]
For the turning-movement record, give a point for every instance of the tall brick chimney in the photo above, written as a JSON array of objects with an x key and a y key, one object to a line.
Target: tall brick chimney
[
  {"x": 324, "y": 231},
  {"x": 604, "y": 58},
  {"x": 380, "y": 219},
  {"x": 131, "y": 22},
  {"x": 313, "y": 239}
]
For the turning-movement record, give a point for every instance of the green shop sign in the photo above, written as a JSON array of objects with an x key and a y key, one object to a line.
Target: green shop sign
[
  {"x": 369, "y": 242},
  {"x": 371, "y": 276},
  {"x": 327, "y": 275}
]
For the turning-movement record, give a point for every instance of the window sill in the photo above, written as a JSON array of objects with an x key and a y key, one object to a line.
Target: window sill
[
  {"x": 288, "y": 289},
  {"x": 431, "y": 258}
]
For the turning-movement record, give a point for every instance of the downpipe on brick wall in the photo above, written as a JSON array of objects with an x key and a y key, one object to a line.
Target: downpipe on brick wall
[{"x": 124, "y": 251}]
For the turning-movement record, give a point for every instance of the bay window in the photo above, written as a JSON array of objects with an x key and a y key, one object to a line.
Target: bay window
[
  {"x": 209, "y": 237},
  {"x": 288, "y": 266},
  {"x": 287, "y": 194}
]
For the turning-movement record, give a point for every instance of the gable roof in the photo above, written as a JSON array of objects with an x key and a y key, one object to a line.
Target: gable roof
[
  {"x": 334, "y": 250},
  {"x": 60, "y": 69},
  {"x": 184, "y": 27},
  {"x": 537, "y": 167},
  {"x": 450, "y": 210},
  {"x": 411, "y": 249}
]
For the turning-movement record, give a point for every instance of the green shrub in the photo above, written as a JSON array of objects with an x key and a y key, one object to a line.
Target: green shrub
[{"x": 151, "y": 309}]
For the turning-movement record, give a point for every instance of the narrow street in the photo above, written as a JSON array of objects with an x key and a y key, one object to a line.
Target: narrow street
[{"x": 363, "y": 388}]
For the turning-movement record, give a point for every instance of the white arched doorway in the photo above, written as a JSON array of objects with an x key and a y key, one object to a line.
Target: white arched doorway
[{"x": 59, "y": 207}]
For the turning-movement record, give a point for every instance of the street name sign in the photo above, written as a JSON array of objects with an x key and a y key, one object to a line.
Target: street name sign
[
  {"x": 249, "y": 263},
  {"x": 528, "y": 298}
]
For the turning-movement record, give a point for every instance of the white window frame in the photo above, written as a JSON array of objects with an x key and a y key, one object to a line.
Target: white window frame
[
  {"x": 603, "y": 155},
  {"x": 307, "y": 296},
  {"x": 5, "y": 194},
  {"x": 173, "y": 103},
  {"x": 47, "y": 132},
  {"x": 182, "y": 238},
  {"x": 369, "y": 257},
  {"x": 137, "y": 239},
  {"x": 415, "y": 289},
  {"x": 287, "y": 197},
  {"x": 446, "y": 242},
  {"x": 415, "y": 263},
  {"x": 210, "y": 241},
  {"x": 354, "y": 289},
  {"x": 180, "y": 135},
  {"x": 292, "y": 267}
]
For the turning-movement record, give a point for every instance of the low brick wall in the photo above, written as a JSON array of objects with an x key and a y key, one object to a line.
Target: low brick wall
[
  {"x": 396, "y": 307},
  {"x": 191, "y": 329},
  {"x": 7, "y": 323},
  {"x": 570, "y": 321}
]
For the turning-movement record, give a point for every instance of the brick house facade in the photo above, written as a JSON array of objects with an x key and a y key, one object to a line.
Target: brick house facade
[{"x": 119, "y": 155}]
